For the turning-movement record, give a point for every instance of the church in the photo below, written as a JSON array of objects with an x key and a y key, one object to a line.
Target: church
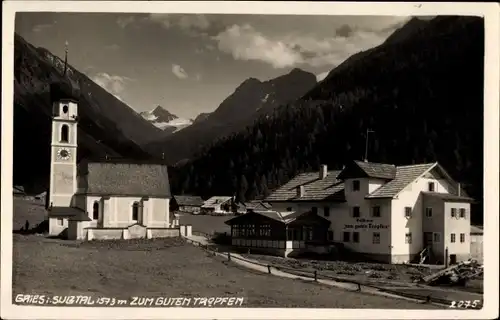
[{"x": 108, "y": 199}]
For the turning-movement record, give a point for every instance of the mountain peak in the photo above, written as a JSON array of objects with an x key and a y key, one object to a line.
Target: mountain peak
[{"x": 411, "y": 27}]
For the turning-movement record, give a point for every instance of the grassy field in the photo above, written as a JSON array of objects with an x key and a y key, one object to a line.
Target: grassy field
[
  {"x": 205, "y": 223},
  {"x": 165, "y": 267},
  {"x": 161, "y": 267},
  {"x": 31, "y": 210}
]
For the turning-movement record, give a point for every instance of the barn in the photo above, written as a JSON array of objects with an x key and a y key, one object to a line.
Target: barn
[{"x": 186, "y": 203}]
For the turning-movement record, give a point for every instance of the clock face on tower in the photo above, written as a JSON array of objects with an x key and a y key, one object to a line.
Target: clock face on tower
[{"x": 63, "y": 154}]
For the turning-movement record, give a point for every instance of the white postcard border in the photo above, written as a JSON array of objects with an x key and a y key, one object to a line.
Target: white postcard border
[{"x": 490, "y": 13}]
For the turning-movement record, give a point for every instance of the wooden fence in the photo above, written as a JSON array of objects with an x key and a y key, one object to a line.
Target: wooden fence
[{"x": 315, "y": 275}]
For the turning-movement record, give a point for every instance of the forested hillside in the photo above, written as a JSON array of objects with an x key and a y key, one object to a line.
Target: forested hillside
[{"x": 421, "y": 92}]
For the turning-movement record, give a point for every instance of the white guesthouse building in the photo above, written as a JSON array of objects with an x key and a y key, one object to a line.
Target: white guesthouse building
[
  {"x": 389, "y": 213},
  {"x": 103, "y": 199}
]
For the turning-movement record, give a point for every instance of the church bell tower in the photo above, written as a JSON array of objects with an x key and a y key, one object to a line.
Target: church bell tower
[{"x": 63, "y": 181}]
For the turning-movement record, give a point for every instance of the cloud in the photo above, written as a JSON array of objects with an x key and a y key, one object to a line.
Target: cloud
[
  {"x": 41, "y": 27},
  {"x": 321, "y": 76},
  {"x": 245, "y": 43},
  {"x": 192, "y": 23},
  {"x": 123, "y": 22},
  {"x": 291, "y": 48},
  {"x": 114, "y": 84},
  {"x": 179, "y": 72}
]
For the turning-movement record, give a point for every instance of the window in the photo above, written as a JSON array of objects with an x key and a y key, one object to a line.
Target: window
[
  {"x": 355, "y": 185},
  {"x": 330, "y": 235},
  {"x": 251, "y": 230},
  {"x": 355, "y": 212},
  {"x": 314, "y": 210},
  {"x": 236, "y": 231},
  {"x": 95, "y": 211},
  {"x": 60, "y": 222},
  {"x": 265, "y": 230},
  {"x": 453, "y": 212},
  {"x": 346, "y": 237},
  {"x": 462, "y": 237},
  {"x": 462, "y": 212},
  {"x": 135, "y": 211},
  {"x": 376, "y": 211},
  {"x": 289, "y": 209},
  {"x": 431, "y": 186},
  {"x": 308, "y": 233},
  {"x": 408, "y": 238},
  {"x": 452, "y": 238},
  {"x": 65, "y": 109},
  {"x": 326, "y": 211},
  {"x": 408, "y": 212},
  {"x": 428, "y": 212},
  {"x": 355, "y": 237},
  {"x": 437, "y": 237},
  {"x": 64, "y": 133},
  {"x": 376, "y": 238}
]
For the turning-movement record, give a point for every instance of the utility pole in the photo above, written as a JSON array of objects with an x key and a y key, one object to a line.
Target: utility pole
[{"x": 368, "y": 131}]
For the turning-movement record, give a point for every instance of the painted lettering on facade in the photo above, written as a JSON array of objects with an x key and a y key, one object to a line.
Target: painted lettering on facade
[{"x": 365, "y": 224}]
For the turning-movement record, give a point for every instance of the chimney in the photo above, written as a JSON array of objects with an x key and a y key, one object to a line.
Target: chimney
[
  {"x": 459, "y": 190},
  {"x": 300, "y": 191},
  {"x": 323, "y": 171}
]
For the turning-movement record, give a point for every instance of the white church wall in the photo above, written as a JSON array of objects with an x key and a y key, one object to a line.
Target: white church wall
[{"x": 160, "y": 213}]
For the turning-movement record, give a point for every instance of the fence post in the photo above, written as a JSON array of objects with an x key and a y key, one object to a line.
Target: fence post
[
  {"x": 315, "y": 275},
  {"x": 269, "y": 269},
  {"x": 229, "y": 256}
]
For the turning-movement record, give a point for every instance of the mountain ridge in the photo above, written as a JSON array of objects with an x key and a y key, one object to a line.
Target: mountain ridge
[{"x": 251, "y": 99}]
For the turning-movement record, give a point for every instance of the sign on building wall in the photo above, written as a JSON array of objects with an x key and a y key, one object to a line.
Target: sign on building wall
[{"x": 365, "y": 224}]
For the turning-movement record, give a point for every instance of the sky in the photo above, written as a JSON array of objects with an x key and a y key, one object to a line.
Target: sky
[{"x": 189, "y": 63}]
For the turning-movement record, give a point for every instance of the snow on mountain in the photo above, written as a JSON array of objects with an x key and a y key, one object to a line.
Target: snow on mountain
[{"x": 165, "y": 120}]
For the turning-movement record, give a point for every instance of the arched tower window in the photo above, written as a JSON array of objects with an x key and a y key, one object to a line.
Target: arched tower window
[
  {"x": 95, "y": 211},
  {"x": 135, "y": 211},
  {"x": 64, "y": 133}
]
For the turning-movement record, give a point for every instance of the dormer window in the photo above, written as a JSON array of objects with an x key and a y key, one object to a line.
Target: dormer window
[
  {"x": 431, "y": 186},
  {"x": 355, "y": 185},
  {"x": 65, "y": 109}
]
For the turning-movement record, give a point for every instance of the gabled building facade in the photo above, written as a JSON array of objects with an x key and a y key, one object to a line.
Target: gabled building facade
[
  {"x": 185, "y": 203},
  {"x": 217, "y": 205},
  {"x": 388, "y": 213}
]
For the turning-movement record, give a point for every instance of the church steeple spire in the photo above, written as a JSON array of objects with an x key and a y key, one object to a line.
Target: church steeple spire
[{"x": 65, "y": 58}]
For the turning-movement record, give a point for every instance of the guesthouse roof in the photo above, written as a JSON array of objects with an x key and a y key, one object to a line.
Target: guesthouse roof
[
  {"x": 315, "y": 189},
  {"x": 360, "y": 169}
]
